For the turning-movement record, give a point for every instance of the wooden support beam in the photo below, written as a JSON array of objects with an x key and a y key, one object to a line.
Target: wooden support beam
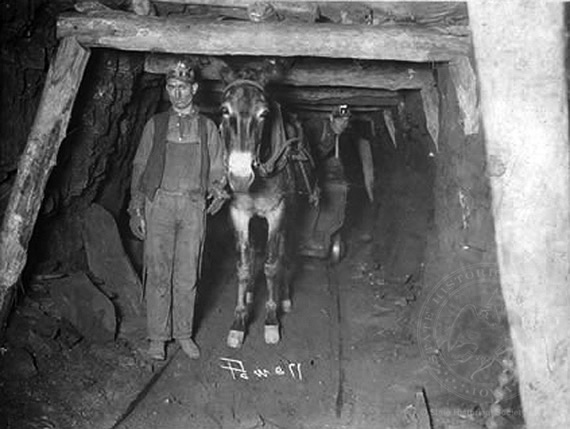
[
  {"x": 424, "y": 13},
  {"x": 315, "y": 72},
  {"x": 182, "y": 35},
  {"x": 465, "y": 82},
  {"x": 322, "y": 109},
  {"x": 430, "y": 101},
  {"x": 308, "y": 99},
  {"x": 39, "y": 157},
  {"x": 386, "y": 13},
  {"x": 306, "y": 11},
  {"x": 520, "y": 49},
  {"x": 326, "y": 109},
  {"x": 210, "y": 94},
  {"x": 314, "y": 95},
  {"x": 376, "y": 76}
]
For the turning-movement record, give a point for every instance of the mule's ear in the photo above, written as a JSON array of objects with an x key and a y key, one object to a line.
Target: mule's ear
[
  {"x": 262, "y": 76},
  {"x": 227, "y": 74}
]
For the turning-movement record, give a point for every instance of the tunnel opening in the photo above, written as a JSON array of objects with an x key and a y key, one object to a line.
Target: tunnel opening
[
  {"x": 387, "y": 240},
  {"x": 430, "y": 214}
]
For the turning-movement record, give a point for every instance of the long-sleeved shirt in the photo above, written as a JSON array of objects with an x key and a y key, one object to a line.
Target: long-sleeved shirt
[
  {"x": 182, "y": 158},
  {"x": 354, "y": 147}
]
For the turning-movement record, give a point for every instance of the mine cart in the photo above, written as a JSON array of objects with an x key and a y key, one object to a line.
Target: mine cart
[{"x": 319, "y": 226}]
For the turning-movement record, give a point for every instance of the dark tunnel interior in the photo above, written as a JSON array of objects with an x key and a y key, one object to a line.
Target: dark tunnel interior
[{"x": 74, "y": 347}]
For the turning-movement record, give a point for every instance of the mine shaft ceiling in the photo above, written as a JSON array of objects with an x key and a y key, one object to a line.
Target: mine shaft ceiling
[{"x": 358, "y": 53}]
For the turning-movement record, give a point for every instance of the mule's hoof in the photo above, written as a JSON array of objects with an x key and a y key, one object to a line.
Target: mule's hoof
[
  {"x": 272, "y": 334},
  {"x": 235, "y": 339},
  {"x": 249, "y": 298},
  {"x": 286, "y": 305}
]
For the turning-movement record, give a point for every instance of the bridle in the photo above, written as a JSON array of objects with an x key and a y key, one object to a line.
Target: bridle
[{"x": 279, "y": 158}]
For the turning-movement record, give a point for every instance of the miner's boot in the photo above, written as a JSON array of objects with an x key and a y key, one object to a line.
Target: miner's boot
[
  {"x": 156, "y": 350},
  {"x": 190, "y": 348}
]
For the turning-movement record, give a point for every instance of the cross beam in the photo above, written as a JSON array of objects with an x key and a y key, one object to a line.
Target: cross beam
[
  {"x": 181, "y": 35},
  {"x": 315, "y": 72}
]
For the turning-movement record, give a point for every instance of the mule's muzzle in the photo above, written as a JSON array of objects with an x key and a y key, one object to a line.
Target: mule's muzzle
[
  {"x": 240, "y": 183},
  {"x": 241, "y": 173}
]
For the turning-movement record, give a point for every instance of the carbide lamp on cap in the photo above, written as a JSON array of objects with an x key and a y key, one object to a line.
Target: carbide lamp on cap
[
  {"x": 341, "y": 111},
  {"x": 181, "y": 71}
]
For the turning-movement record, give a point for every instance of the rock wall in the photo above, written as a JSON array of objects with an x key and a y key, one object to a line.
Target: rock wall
[
  {"x": 115, "y": 100},
  {"x": 405, "y": 175},
  {"x": 27, "y": 42},
  {"x": 463, "y": 225}
]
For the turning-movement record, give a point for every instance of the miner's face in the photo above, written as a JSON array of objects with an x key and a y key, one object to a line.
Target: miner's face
[
  {"x": 181, "y": 93},
  {"x": 339, "y": 123}
]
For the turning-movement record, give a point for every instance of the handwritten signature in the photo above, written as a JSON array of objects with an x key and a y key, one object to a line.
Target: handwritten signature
[{"x": 237, "y": 370}]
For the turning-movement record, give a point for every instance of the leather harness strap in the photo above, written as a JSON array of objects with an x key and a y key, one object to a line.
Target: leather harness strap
[{"x": 280, "y": 157}]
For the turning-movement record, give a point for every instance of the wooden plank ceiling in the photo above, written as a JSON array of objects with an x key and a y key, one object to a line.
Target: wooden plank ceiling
[{"x": 361, "y": 53}]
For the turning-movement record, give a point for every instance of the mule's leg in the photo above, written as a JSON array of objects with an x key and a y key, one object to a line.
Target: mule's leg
[
  {"x": 286, "y": 304},
  {"x": 244, "y": 274},
  {"x": 272, "y": 269},
  {"x": 288, "y": 251}
]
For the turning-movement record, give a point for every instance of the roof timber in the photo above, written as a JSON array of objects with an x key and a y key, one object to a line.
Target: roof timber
[
  {"x": 305, "y": 11},
  {"x": 182, "y": 35},
  {"x": 392, "y": 78},
  {"x": 383, "y": 12},
  {"x": 38, "y": 159},
  {"x": 359, "y": 101},
  {"x": 316, "y": 72},
  {"x": 320, "y": 109},
  {"x": 424, "y": 13},
  {"x": 212, "y": 91}
]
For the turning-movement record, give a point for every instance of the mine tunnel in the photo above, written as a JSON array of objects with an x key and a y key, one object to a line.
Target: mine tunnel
[{"x": 398, "y": 314}]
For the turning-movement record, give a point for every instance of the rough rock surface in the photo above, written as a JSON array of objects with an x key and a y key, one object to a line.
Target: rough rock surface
[{"x": 85, "y": 307}]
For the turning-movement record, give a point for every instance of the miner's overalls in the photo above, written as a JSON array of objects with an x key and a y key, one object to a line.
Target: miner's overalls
[{"x": 176, "y": 221}]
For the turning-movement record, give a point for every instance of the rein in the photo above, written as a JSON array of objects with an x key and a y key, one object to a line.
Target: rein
[
  {"x": 277, "y": 161},
  {"x": 280, "y": 157}
]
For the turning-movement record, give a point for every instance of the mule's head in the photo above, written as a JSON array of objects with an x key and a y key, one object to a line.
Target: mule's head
[{"x": 244, "y": 110}]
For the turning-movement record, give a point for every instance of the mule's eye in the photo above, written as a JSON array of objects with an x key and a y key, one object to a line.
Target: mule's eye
[
  {"x": 224, "y": 111},
  {"x": 263, "y": 114}
]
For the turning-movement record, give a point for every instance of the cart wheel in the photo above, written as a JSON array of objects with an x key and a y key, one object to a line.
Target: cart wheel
[{"x": 337, "y": 249}]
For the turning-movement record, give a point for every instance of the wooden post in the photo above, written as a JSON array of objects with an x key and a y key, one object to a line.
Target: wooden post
[
  {"x": 37, "y": 160},
  {"x": 463, "y": 77},
  {"x": 520, "y": 50},
  {"x": 430, "y": 101}
]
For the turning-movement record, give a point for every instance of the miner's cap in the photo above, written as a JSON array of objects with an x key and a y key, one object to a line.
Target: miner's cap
[{"x": 181, "y": 71}]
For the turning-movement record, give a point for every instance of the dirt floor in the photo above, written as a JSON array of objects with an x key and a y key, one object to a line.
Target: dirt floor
[{"x": 348, "y": 357}]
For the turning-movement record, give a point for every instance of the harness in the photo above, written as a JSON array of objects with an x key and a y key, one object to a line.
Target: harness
[{"x": 288, "y": 149}]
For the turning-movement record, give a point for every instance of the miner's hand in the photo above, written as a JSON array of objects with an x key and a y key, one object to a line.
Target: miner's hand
[
  {"x": 138, "y": 226},
  {"x": 215, "y": 206},
  {"x": 217, "y": 198}
]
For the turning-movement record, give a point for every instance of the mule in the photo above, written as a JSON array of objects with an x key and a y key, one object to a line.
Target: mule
[{"x": 260, "y": 144}]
